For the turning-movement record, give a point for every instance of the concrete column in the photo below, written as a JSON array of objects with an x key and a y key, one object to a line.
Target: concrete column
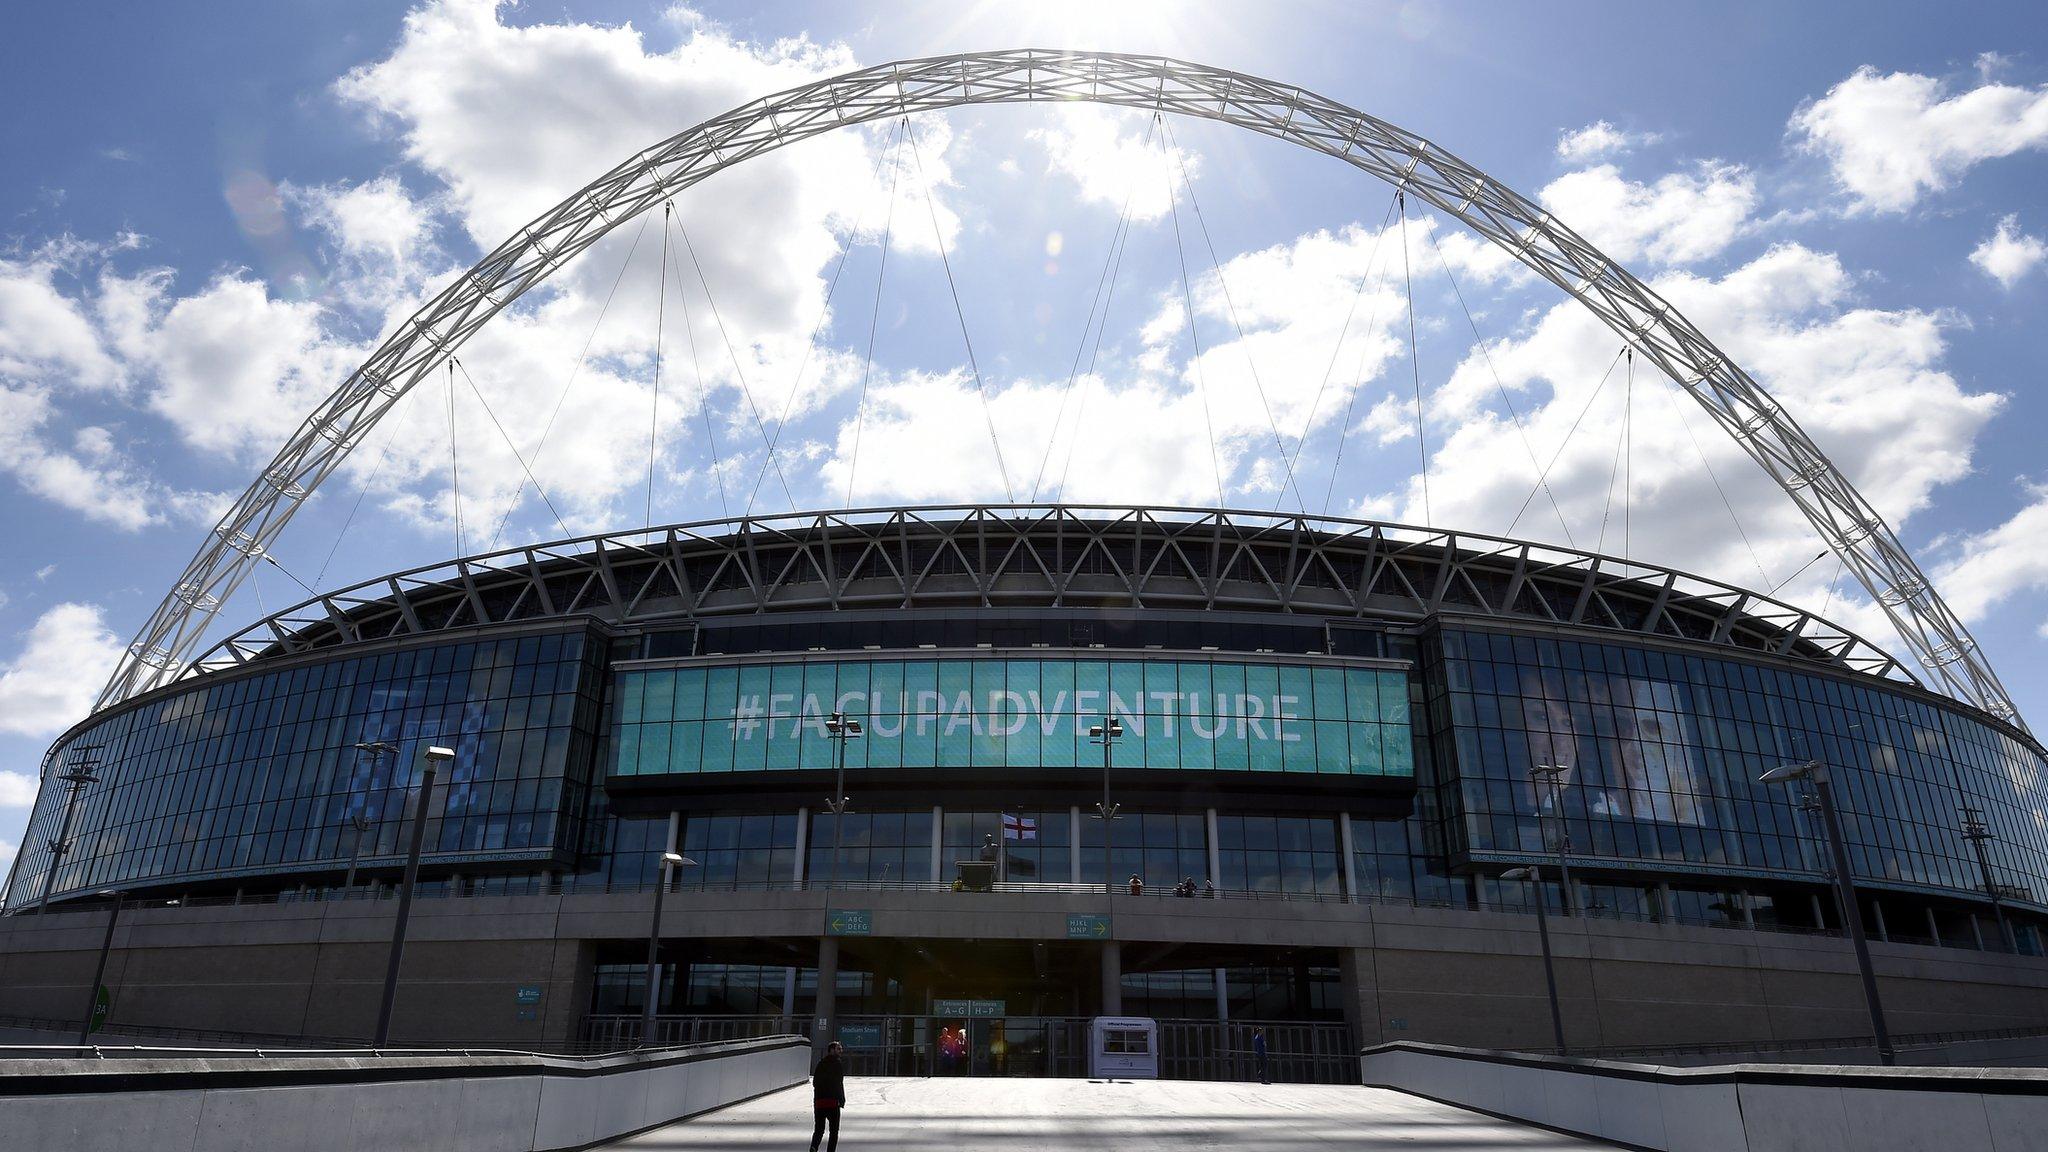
[
  {"x": 1350, "y": 866},
  {"x": 1361, "y": 995},
  {"x": 1215, "y": 851},
  {"x": 1933, "y": 928},
  {"x": 1748, "y": 913},
  {"x": 675, "y": 830},
  {"x": 826, "y": 1018},
  {"x": 1819, "y": 920},
  {"x": 1074, "y": 843},
  {"x": 788, "y": 997},
  {"x": 938, "y": 841},
  {"x": 1977, "y": 931},
  {"x": 1112, "y": 979},
  {"x": 1877, "y": 919},
  {"x": 803, "y": 846},
  {"x": 1664, "y": 909},
  {"x": 1222, "y": 995}
]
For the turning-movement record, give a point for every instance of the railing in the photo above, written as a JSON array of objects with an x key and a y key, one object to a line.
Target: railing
[
  {"x": 908, "y": 1044},
  {"x": 1992, "y": 941},
  {"x": 1824, "y": 1044},
  {"x": 591, "y": 1042}
]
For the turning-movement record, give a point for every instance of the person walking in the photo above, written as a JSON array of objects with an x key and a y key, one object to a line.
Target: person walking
[
  {"x": 1258, "y": 1054},
  {"x": 828, "y": 1089}
]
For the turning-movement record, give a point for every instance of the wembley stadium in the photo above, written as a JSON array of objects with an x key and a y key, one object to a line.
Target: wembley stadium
[{"x": 945, "y": 782}]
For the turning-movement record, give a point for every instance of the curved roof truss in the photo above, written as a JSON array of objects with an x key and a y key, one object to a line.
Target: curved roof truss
[
  {"x": 1049, "y": 556},
  {"x": 1845, "y": 520}
]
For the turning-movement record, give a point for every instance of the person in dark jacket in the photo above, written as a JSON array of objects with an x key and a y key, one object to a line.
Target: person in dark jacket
[{"x": 828, "y": 1089}]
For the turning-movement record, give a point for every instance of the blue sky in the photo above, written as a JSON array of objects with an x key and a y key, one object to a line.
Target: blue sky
[{"x": 208, "y": 216}]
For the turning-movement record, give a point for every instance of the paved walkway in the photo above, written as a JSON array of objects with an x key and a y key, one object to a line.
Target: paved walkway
[{"x": 956, "y": 1115}]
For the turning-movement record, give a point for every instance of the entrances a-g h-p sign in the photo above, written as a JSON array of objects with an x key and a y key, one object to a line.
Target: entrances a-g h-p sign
[
  {"x": 1087, "y": 927},
  {"x": 850, "y": 922}
]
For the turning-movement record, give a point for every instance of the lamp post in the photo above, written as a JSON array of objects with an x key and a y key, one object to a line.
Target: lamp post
[
  {"x": 1975, "y": 831},
  {"x": 669, "y": 860},
  {"x": 1106, "y": 734},
  {"x": 1535, "y": 880},
  {"x": 1553, "y": 776},
  {"x": 374, "y": 749},
  {"x": 436, "y": 756},
  {"x": 99, "y": 973},
  {"x": 1815, "y": 773},
  {"x": 839, "y": 728},
  {"x": 79, "y": 775}
]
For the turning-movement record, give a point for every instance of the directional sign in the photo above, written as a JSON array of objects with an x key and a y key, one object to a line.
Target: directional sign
[
  {"x": 526, "y": 994},
  {"x": 978, "y": 1008},
  {"x": 1087, "y": 927},
  {"x": 861, "y": 1035},
  {"x": 850, "y": 922}
]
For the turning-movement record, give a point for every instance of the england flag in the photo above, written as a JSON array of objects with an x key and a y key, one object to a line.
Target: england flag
[{"x": 1019, "y": 827}]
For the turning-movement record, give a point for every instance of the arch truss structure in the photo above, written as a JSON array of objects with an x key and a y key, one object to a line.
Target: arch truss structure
[{"x": 1745, "y": 411}]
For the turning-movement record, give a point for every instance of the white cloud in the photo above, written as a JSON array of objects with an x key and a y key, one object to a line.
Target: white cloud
[
  {"x": 7, "y": 850},
  {"x": 45, "y": 334},
  {"x": 1889, "y": 139},
  {"x": 1867, "y": 385},
  {"x": 1991, "y": 567},
  {"x": 2008, "y": 254},
  {"x": 1113, "y": 157},
  {"x": 1598, "y": 139},
  {"x": 17, "y": 789},
  {"x": 94, "y": 477},
  {"x": 64, "y": 659},
  {"x": 1679, "y": 218}
]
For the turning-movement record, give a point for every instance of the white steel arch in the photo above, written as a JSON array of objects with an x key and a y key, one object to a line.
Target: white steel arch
[{"x": 1844, "y": 519}]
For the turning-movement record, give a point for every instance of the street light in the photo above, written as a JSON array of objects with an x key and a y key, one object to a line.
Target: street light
[
  {"x": 1815, "y": 773},
  {"x": 839, "y": 728},
  {"x": 99, "y": 973},
  {"x": 1535, "y": 880},
  {"x": 436, "y": 756},
  {"x": 80, "y": 775},
  {"x": 669, "y": 860},
  {"x": 1106, "y": 734},
  {"x": 1975, "y": 831},
  {"x": 1553, "y": 775}
]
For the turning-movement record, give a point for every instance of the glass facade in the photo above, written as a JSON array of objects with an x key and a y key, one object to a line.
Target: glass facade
[
  {"x": 1664, "y": 751},
  {"x": 875, "y": 847},
  {"x": 264, "y": 774},
  {"x": 1204, "y": 715}
]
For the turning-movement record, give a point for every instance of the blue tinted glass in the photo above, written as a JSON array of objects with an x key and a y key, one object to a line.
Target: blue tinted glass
[{"x": 690, "y": 694}]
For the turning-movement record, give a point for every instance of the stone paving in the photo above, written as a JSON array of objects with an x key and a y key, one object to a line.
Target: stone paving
[{"x": 960, "y": 1115}]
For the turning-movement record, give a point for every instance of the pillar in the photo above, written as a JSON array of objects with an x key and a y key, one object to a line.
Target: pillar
[
  {"x": 788, "y": 998},
  {"x": 1360, "y": 991},
  {"x": 1933, "y": 928},
  {"x": 1977, "y": 931},
  {"x": 1344, "y": 843},
  {"x": 1074, "y": 843},
  {"x": 1215, "y": 852},
  {"x": 1877, "y": 918},
  {"x": 938, "y": 841},
  {"x": 1222, "y": 994},
  {"x": 1665, "y": 910},
  {"x": 803, "y": 846},
  {"x": 1748, "y": 912},
  {"x": 1819, "y": 921},
  {"x": 826, "y": 1022},
  {"x": 1112, "y": 979}
]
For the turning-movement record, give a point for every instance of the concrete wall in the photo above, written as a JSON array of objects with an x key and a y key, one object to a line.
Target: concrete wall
[
  {"x": 1733, "y": 1108},
  {"x": 1434, "y": 975},
  {"x": 377, "y": 1104}
]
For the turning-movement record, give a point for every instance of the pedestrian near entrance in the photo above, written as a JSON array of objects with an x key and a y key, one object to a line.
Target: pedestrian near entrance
[
  {"x": 1137, "y": 885},
  {"x": 828, "y": 1089},
  {"x": 1259, "y": 1054}
]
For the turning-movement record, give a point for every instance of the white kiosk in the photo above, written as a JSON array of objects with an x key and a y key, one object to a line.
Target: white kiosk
[{"x": 1123, "y": 1047}]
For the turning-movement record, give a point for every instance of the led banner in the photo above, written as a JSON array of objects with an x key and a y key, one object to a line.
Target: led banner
[{"x": 1208, "y": 715}]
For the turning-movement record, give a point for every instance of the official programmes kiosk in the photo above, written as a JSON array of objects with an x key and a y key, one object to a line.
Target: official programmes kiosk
[{"x": 1123, "y": 1047}]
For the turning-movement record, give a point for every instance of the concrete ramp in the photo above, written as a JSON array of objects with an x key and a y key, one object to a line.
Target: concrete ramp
[{"x": 959, "y": 1115}]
